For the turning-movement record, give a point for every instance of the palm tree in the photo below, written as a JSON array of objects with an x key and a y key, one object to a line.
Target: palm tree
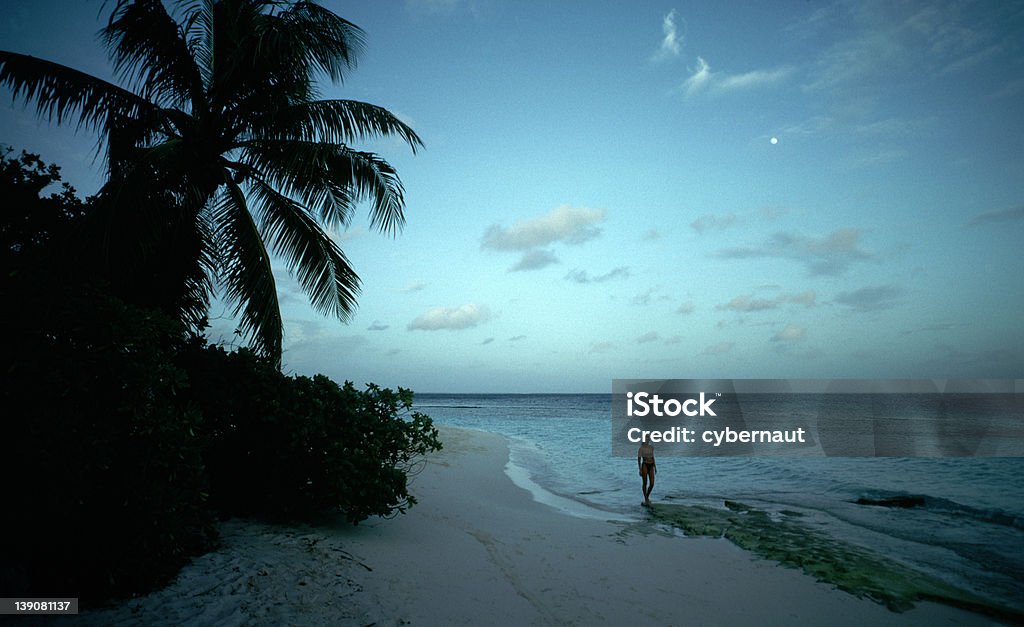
[{"x": 218, "y": 149}]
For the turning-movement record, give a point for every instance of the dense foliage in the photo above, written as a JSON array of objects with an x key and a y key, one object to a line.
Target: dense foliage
[
  {"x": 125, "y": 436},
  {"x": 295, "y": 447},
  {"x": 110, "y": 487}
]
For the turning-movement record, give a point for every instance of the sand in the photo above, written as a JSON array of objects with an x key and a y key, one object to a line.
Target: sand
[{"x": 479, "y": 550}]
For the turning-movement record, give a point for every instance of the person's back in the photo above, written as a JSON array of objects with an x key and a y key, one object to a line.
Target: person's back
[{"x": 648, "y": 468}]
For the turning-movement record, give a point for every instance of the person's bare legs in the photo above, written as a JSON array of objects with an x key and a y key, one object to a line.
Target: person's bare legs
[{"x": 648, "y": 484}]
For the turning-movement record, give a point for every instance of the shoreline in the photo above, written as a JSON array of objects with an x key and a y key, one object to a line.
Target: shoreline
[{"x": 479, "y": 549}]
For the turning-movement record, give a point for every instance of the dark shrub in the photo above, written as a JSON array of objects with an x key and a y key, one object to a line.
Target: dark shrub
[
  {"x": 99, "y": 445},
  {"x": 297, "y": 447},
  {"x": 110, "y": 483}
]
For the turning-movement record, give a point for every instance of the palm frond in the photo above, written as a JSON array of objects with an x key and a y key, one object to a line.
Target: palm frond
[
  {"x": 338, "y": 121},
  {"x": 150, "y": 53},
  {"x": 246, "y": 271},
  {"x": 320, "y": 267},
  {"x": 302, "y": 170},
  {"x": 198, "y": 32},
  {"x": 332, "y": 178},
  {"x": 326, "y": 42},
  {"x": 60, "y": 92},
  {"x": 374, "y": 179}
]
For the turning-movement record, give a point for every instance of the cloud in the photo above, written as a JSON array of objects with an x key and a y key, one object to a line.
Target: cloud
[
  {"x": 997, "y": 216},
  {"x": 791, "y": 333},
  {"x": 747, "y": 302},
  {"x": 717, "y": 349},
  {"x": 349, "y": 235},
  {"x": 535, "y": 260},
  {"x": 651, "y": 235},
  {"x": 601, "y": 347},
  {"x": 672, "y": 42},
  {"x": 755, "y": 78},
  {"x": 517, "y": 338},
  {"x": 487, "y": 341},
  {"x": 891, "y": 41},
  {"x": 562, "y": 224},
  {"x": 582, "y": 276},
  {"x": 686, "y": 308},
  {"x": 872, "y": 298},
  {"x": 703, "y": 79},
  {"x": 644, "y": 298},
  {"x": 675, "y": 339},
  {"x": 377, "y": 326},
  {"x": 412, "y": 287},
  {"x": 699, "y": 79},
  {"x": 453, "y": 318},
  {"x": 650, "y": 336},
  {"x": 808, "y": 298},
  {"x": 713, "y": 222},
  {"x": 829, "y": 255}
]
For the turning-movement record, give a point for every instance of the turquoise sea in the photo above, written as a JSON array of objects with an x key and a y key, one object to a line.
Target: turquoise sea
[{"x": 966, "y": 525}]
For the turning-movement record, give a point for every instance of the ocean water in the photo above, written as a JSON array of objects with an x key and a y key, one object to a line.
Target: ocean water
[{"x": 968, "y": 529}]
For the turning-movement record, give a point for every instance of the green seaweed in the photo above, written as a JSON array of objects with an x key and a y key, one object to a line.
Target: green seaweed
[{"x": 853, "y": 569}]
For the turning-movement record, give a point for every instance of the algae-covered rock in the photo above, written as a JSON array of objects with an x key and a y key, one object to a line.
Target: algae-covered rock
[{"x": 854, "y": 569}]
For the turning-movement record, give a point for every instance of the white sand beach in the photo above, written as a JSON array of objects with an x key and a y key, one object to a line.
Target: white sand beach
[{"x": 478, "y": 550}]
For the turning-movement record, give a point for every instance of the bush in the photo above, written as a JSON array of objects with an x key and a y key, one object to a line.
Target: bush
[
  {"x": 110, "y": 496},
  {"x": 293, "y": 448},
  {"x": 100, "y": 447}
]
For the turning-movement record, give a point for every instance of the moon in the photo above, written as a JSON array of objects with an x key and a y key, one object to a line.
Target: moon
[{"x": 774, "y": 140}]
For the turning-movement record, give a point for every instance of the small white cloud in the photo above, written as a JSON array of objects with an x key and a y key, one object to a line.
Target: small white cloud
[
  {"x": 534, "y": 260},
  {"x": 487, "y": 341},
  {"x": 377, "y": 326},
  {"x": 686, "y": 308},
  {"x": 755, "y": 78},
  {"x": 601, "y": 347},
  {"x": 871, "y": 298},
  {"x": 791, "y": 333},
  {"x": 749, "y": 303},
  {"x": 650, "y": 336},
  {"x": 713, "y": 222},
  {"x": 808, "y": 298},
  {"x": 350, "y": 234},
  {"x": 453, "y": 318},
  {"x": 997, "y": 215},
  {"x": 672, "y": 42},
  {"x": 702, "y": 79},
  {"x": 570, "y": 225},
  {"x": 412, "y": 287},
  {"x": 582, "y": 276},
  {"x": 699, "y": 79},
  {"x": 517, "y": 338},
  {"x": 675, "y": 339}
]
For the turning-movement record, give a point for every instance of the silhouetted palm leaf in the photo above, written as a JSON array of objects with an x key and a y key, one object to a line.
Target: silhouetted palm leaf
[{"x": 219, "y": 147}]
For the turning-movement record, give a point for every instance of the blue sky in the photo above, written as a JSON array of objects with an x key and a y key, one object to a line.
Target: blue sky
[{"x": 600, "y": 196}]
